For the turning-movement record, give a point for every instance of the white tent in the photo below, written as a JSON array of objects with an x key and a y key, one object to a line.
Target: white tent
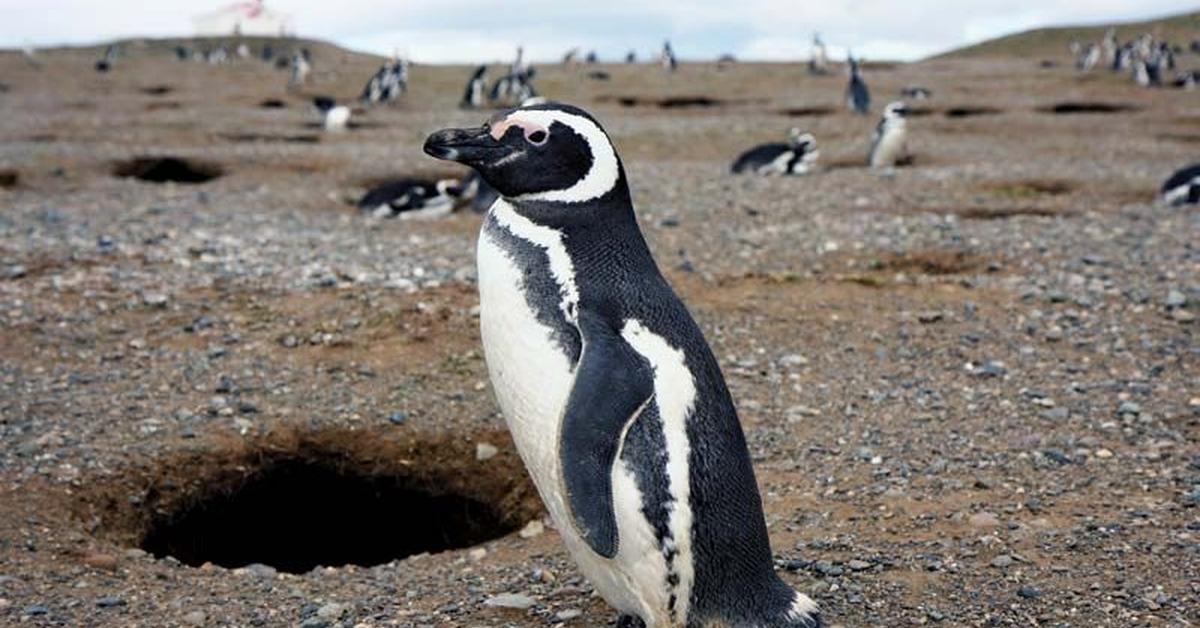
[{"x": 245, "y": 17}]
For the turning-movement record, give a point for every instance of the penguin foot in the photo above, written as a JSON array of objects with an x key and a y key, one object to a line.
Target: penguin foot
[{"x": 629, "y": 621}]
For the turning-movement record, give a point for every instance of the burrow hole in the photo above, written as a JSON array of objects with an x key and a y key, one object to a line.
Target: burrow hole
[
  {"x": 167, "y": 169},
  {"x": 331, "y": 499}
]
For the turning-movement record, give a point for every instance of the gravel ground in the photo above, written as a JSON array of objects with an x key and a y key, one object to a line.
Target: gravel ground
[{"x": 970, "y": 385}]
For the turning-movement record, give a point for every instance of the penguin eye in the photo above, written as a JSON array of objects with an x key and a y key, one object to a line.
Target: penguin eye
[{"x": 538, "y": 137}]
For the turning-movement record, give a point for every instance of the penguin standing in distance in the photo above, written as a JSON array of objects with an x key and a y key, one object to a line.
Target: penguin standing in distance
[
  {"x": 334, "y": 117},
  {"x": 818, "y": 63},
  {"x": 301, "y": 67},
  {"x": 888, "y": 144},
  {"x": 110, "y": 57},
  {"x": 669, "y": 62},
  {"x": 858, "y": 97},
  {"x": 1183, "y": 187},
  {"x": 615, "y": 401},
  {"x": 473, "y": 95},
  {"x": 798, "y": 156}
]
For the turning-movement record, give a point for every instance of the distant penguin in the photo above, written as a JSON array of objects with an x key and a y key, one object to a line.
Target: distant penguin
[
  {"x": 110, "y": 57},
  {"x": 301, "y": 67},
  {"x": 858, "y": 97},
  {"x": 888, "y": 144},
  {"x": 914, "y": 92},
  {"x": 631, "y": 57},
  {"x": 818, "y": 63},
  {"x": 243, "y": 51},
  {"x": 669, "y": 62},
  {"x": 473, "y": 94},
  {"x": 1088, "y": 58},
  {"x": 1185, "y": 80},
  {"x": 182, "y": 53},
  {"x": 591, "y": 58},
  {"x": 614, "y": 399},
  {"x": 412, "y": 198},
  {"x": 334, "y": 117},
  {"x": 798, "y": 156},
  {"x": 1183, "y": 188}
]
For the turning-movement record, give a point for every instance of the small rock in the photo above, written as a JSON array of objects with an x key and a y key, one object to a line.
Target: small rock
[
  {"x": 984, "y": 520},
  {"x": 398, "y": 418},
  {"x": 109, "y": 601},
  {"x": 1029, "y": 592},
  {"x": 331, "y": 611},
  {"x": 1129, "y": 407},
  {"x": 15, "y": 271},
  {"x": 532, "y": 529},
  {"x": 793, "y": 359},
  {"x": 1002, "y": 561},
  {"x": 477, "y": 554},
  {"x": 195, "y": 618},
  {"x": 858, "y": 565},
  {"x": 1175, "y": 299},
  {"x": 100, "y": 561},
  {"x": 35, "y": 610},
  {"x": 315, "y": 622},
  {"x": 155, "y": 299},
  {"x": 1103, "y": 453},
  {"x": 568, "y": 614},
  {"x": 510, "y": 600},
  {"x": 485, "y": 451}
]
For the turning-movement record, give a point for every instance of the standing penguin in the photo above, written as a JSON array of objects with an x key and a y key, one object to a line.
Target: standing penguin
[
  {"x": 858, "y": 97},
  {"x": 669, "y": 62},
  {"x": 473, "y": 95},
  {"x": 614, "y": 399},
  {"x": 818, "y": 63},
  {"x": 888, "y": 144},
  {"x": 301, "y": 67},
  {"x": 798, "y": 156}
]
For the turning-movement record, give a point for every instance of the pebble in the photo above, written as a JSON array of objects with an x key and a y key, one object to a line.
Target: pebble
[
  {"x": 1129, "y": 407},
  {"x": 155, "y": 299},
  {"x": 315, "y": 622},
  {"x": 196, "y": 618},
  {"x": 859, "y": 565},
  {"x": 568, "y": 614},
  {"x": 532, "y": 529},
  {"x": 16, "y": 271},
  {"x": 485, "y": 451},
  {"x": 35, "y": 610},
  {"x": 1029, "y": 592},
  {"x": 1103, "y": 453},
  {"x": 100, "y": 561},
  {"x": 1002, "y": 561},
  {"x": 398, "y": 418},
  {"x": 510, "y": 600},
  {"x": 1175, "y": 299},
  {"x": 331, "y": 611},
  {"x": 984, "y": 520},
  {"x": 109, "y": 601}
]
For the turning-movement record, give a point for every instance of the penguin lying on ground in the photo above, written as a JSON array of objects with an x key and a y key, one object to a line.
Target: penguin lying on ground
[
  {"x": 798, "y": 156},
  {"x": 888, "y": 144},
  {"x": 916, "y": 92},
  {"x": 412, "y": 198},
  {"x": 1183, "y": 188},
  {"x": 615, "y": 401},
  {"x": 334, "y": 117}
]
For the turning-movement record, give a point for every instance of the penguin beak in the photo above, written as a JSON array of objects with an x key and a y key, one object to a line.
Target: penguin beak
[{"x": 472, "y": 147}]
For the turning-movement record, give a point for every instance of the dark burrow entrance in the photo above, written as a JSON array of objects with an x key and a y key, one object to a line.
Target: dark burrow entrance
[
  {"x": 296, "y": 502},
  {"x": 167, "y": 169}
]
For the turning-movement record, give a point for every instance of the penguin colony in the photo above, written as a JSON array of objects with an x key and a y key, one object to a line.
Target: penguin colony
[
  {"x": 614, "y": 399},
  {"x": 1148, "y": 60}
]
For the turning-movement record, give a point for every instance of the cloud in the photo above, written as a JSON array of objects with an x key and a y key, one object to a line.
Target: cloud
[{"x": 484, "y": 30}]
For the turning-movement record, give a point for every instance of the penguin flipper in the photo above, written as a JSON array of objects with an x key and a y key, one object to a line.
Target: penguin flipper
[{"x": 612, "y": 385}]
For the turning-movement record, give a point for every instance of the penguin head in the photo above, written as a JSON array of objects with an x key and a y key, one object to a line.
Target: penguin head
[
  {"x": 324, "y": 103},
  {"x": 545, "y": 152},
  {"x": 895, "y": 111}
]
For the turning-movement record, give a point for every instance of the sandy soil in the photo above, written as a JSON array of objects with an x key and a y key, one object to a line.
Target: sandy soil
[{"x": 970, "y": 386}]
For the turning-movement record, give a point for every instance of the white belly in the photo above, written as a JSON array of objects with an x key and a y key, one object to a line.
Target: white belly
[
  {"x": 890, "y": 149},
  {"x": 532, "y": 379}
]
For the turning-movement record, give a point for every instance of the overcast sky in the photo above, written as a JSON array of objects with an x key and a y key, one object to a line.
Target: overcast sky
[{"x": 480, "y": 30}]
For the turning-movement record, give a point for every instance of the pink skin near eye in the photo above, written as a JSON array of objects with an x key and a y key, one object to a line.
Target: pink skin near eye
[{"x": 535, "y": 134}]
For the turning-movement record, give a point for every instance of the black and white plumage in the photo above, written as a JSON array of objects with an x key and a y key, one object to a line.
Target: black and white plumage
[
  {"x": 334, "y": 117},
  {"x": 798, "y": 156},
  {"x": 888, "y": 145},
  {"x": 1183, "y": 187},
  {"x": 818, "y": 63},
  {"x": 914, "y": 92},
  {"x": 110, "y": 57},
  {"x": 412, "y": 198},
  {"x": 614, "y": 399},
  {"x": 388, "y": 83},
  {"x": 514, "y": 89},
  {"x": 301, "y": 68},
  {"x": 474, "y": 93},
  {"x": 668, "y": 60},
  {"x": 858, "y": 97}
]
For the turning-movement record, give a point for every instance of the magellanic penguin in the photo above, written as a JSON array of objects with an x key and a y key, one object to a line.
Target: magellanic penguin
[
  {"x": 1183, "y": 188},
  {"x": 858, "y": 97},
  {"x": 334, "y": 117},
  {"x": 413, "y": 198},
  {"x": 798, "y": 156},
  {"x": 888, "y": 143},
  {"x": 615, "y": 401},
  {"x": 473, "y": 95}
]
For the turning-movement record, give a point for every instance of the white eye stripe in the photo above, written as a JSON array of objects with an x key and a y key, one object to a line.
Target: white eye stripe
[{"x": 605, "y": 170}]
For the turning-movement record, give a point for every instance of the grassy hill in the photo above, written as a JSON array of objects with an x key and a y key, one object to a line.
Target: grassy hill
[
  {"x": 1044, "y": 42},
  {"x": 138, "y": 47}
]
